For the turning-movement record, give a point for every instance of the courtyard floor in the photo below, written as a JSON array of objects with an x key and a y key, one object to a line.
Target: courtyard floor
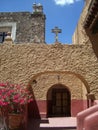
[{"x": 64, "y": 123}]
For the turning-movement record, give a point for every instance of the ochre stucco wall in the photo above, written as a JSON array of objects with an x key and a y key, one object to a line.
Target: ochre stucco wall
[
  {"x": 46, "y": 80},
  {"x": 19, "y": 63}
]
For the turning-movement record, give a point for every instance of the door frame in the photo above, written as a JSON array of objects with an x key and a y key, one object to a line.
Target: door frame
[{"x": 57, "y": 88}]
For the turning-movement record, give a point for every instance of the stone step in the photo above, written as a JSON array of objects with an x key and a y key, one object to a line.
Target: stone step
[
  {"x": 57, "y": 129},
  {"x": 53, "y": 124},
  {"x": 59, "y": 123}
]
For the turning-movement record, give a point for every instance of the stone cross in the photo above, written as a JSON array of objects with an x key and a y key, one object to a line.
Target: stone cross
[{"x": 56, "y": 30}]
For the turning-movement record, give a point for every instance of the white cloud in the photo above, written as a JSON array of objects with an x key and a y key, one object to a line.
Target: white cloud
[{"x": 65, "y": 2}]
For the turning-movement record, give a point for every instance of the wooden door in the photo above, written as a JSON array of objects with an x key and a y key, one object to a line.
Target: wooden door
[{"x": 60, "y": 102}]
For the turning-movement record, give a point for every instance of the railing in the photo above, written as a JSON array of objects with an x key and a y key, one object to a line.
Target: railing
[{"x": 88, "y": 119}]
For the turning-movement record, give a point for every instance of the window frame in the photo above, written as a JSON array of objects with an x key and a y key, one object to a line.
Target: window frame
[{"x": 11, "y": 26}]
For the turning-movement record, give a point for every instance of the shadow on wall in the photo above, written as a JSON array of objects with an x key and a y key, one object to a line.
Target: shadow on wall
[
  {"x": 33, "y": 111},
  {"x": 94, "y": 41}
]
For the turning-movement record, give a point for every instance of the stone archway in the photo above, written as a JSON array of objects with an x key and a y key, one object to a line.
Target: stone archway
[
  {"x": 45, "y": 85},
  {"x": 58, "y": 101}
]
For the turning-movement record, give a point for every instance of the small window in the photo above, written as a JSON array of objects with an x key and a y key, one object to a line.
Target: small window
[
  {"x": 2, "y": 36},
  {"x": 7, "y": 27}
]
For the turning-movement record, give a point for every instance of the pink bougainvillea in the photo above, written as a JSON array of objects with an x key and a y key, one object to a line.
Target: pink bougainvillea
[{"x": 14, "y": 95}]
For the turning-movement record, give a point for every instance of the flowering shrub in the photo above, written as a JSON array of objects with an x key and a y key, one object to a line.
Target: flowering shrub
[{"x": 14, "y": 96}]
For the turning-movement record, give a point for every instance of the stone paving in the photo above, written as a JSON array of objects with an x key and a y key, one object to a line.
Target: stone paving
[
  {"x": 53, "y": 124},
  {"x": 64, "y": 123}
]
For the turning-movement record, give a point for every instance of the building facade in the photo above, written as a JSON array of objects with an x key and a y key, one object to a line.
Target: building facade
[
  {"x": 63, "y": 78},
  {"x": 24, "y": 26}
]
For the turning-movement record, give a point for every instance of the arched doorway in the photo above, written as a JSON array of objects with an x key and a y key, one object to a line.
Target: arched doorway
[{"x": 58, "y": 101}]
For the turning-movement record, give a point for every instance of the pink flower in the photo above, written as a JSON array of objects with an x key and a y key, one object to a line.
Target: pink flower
[
  {"x": 1, "y": 103},
  {"x": 16, "y": 101},
  {"x": 14, "y": 95},
  {"x": 22, "y": 101},
  {"x": 2, "y": 84}
]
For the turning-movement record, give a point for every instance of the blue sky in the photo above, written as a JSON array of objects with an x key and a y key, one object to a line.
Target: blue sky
[{"x": 62, "y": 13}]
